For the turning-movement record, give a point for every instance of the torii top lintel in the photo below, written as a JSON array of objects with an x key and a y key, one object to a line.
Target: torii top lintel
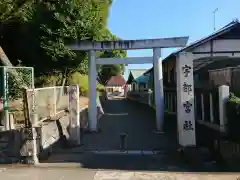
[{"x": 130, "y": 44}]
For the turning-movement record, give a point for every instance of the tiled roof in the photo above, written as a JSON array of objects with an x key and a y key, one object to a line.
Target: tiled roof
[
  {"x": 142, "y": 79},
  {"x": 137, "y": 72},
  {"x": 137, "y": 75},
  {"x": 116, "y": 81}
]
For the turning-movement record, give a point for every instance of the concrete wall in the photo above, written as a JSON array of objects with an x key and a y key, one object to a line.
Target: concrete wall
[
  {"x": 55, "y": 135},
  {"x": 10, "y": 145},
  {"x": 51, "y": 137},
  {"x": 142, "y": 97}
]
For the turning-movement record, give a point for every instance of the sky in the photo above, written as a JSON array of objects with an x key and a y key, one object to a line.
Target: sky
[{"x": 148, "y": 19}]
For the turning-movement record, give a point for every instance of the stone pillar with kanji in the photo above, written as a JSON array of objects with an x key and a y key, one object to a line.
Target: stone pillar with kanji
[{"x": 185, "y": 100}]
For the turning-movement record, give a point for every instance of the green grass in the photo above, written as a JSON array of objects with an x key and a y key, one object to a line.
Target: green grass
[{"x": 82, "y": 81}]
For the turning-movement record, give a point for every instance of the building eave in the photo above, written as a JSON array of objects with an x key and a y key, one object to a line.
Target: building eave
[{"x": 197, "y": 43}]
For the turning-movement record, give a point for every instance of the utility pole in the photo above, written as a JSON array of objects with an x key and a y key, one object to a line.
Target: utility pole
[{"x": 214, "y": 18}]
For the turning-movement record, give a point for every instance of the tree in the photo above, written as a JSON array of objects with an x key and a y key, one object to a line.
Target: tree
[
  {"x": 38, "y": 31},
  {"x": 106, "y": 71},
  {"x": 9, "y": 9}
]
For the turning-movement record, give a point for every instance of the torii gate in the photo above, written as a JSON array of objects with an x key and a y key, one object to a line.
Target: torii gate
[{"x": 156, "y": 45}]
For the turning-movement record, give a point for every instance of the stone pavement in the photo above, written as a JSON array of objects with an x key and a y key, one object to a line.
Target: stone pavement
[
  {"x": 36, "y": 173},
  {"x": 134, "y": 119}
]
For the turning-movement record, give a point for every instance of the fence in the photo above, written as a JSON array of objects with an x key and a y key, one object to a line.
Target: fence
[
  {"x": 170, "y": 100},
  {"x": 209, "y": 106},
  {"x": 147, "y": 97},
  {"x": 47, "y": 102},
  {"x": 12, "y": 80},
  {"x": 219, "y": 77},
  {"x": 226, "y": 76},
  {"x": 41, "y": 102}
]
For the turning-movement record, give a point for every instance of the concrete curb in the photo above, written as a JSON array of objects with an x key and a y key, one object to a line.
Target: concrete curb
[{"x": 59, "y": 165}]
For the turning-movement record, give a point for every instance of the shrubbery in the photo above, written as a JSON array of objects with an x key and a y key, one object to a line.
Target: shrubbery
[
  {"x": 75, "y": 78},
  {"x": 233, "y": 115},
  {"x": 14, "y": 86},
  {"x": 82, "y": 81},
  {"x": 47, "y": 80}
]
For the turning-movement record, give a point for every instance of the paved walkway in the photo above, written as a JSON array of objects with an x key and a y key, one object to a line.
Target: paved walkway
[
  {"x": 134, "y": 119},
  {"x": 146, "y": 150},
  {"x": 34, "y": 173},
  {"x": 99, "y": 157}
]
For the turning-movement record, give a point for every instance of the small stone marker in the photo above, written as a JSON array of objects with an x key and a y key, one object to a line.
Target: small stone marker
[{"x": 123, "y": 141}]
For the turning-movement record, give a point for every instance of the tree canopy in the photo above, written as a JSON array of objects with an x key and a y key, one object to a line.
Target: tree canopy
[{"x": 35, "y": 33}]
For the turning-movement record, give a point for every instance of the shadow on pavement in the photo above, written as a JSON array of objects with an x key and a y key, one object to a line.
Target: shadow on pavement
[{"x": 147, "y": 150}]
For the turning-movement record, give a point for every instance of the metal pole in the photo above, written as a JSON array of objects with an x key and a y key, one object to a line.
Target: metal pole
[
  {"x": 5, "y": 98},
  {"x": 214, "y": 19},
  {"x": 55, "y": 99},
  {"x": 33, "y": 83}
]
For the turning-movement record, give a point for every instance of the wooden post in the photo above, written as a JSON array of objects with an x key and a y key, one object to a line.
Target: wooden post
[
  {"x": 202, "y": 107},
  {"x": 211, "y": 108}
]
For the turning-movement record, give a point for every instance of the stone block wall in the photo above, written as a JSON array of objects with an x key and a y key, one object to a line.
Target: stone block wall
[
  {"x": 50, "y": 136},
  {"x": 10, "y": 144}
]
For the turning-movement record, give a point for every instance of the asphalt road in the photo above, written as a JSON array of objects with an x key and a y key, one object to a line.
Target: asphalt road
[{"x": 137, "y": 121}]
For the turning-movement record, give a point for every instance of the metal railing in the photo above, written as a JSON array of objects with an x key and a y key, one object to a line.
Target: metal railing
[{"x": 13, "y": 80}]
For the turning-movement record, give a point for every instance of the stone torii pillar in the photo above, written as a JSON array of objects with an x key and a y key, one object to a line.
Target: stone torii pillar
[
  {"x": 158, "y": 87},
  {"x": 92, "y": 85},
  {"x": 155, "y": 44}
]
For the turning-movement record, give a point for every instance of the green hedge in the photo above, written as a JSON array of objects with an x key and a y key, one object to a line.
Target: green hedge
[{"x": 233, "y": 115}]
